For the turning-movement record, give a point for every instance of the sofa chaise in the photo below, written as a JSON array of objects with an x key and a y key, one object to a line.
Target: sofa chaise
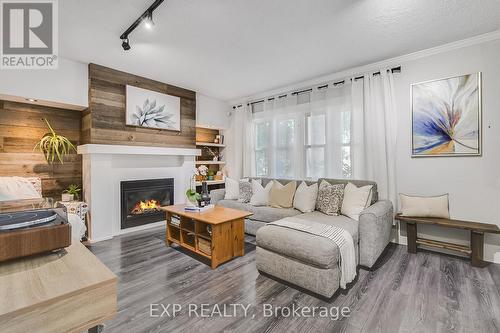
[{"x": 306, "y": 260}]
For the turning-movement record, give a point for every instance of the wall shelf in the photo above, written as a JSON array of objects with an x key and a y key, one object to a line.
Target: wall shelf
[
  {"x": 210, "y": 162},
  {"x": 211, "y": 182},
  {"x": 210, "y": 144}
]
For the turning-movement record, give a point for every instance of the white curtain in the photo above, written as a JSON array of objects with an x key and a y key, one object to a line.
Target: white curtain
[
  {"x": 343, "y": 131},
  {"x": 374, "y": 128},
  {"x": 304, "y": 135},
  {"x": 240, "y": 154}
]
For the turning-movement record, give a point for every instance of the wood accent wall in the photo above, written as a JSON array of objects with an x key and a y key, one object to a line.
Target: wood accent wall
[
  {"x": 104, "y": 121},
  {"x": 21, "y": 126}
]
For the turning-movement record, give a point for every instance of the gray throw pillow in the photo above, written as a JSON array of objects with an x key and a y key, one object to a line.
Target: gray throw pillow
[
  {"x": 246, "y": 190},
  {"x": 330, "y": 198}
]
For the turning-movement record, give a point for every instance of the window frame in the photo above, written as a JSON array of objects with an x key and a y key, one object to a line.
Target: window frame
[
  {"x": 267, "y": 148},
  {"x": 307, "y": 146}
]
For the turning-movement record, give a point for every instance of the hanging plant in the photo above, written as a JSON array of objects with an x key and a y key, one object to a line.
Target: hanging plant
[{"x": 53, "y": 145}]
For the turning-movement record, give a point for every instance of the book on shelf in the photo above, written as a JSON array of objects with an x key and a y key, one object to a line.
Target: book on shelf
[{"x": 198, "y": 209}]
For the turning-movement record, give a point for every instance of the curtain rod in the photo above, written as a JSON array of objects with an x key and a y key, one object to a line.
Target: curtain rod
[{"x": 321, "y": 86}]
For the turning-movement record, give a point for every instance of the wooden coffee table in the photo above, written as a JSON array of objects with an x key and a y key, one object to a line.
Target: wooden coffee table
[{"x": 227, "y": 238}]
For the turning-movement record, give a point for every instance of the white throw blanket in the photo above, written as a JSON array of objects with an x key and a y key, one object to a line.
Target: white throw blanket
[{"x": 341, "y": 237}]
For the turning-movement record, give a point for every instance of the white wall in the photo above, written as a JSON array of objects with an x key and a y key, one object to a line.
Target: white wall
[
  {"x": 211, "y": 112},
  {"x": 473, "y": 182},
  {"x": 66, "y": 86}
]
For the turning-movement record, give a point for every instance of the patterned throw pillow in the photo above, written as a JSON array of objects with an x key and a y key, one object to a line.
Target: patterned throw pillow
[
  {"x": 330, "y": 198},
  {"x": 246, "y": 190}
]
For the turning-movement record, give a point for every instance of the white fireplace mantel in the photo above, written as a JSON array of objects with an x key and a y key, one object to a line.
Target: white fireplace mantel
[{"x": 135, "y": 150}]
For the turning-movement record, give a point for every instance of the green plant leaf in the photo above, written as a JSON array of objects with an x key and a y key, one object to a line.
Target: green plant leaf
[{"x": 53, "y": 145}]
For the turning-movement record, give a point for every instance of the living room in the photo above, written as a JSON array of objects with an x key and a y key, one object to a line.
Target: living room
[{"x": 225, "y": 166}]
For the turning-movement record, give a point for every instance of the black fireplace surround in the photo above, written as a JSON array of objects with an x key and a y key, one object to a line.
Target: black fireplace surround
[{"x": 141, "y": 199}]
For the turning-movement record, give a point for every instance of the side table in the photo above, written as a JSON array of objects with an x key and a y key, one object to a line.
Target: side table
[{"x": 80, "y": 209}]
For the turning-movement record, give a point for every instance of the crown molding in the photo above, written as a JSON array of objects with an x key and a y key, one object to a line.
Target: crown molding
[{"x": 359, "y": 70}]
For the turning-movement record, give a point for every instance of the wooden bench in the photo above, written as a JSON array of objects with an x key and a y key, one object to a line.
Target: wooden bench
[{"x": 477, "y": 231}]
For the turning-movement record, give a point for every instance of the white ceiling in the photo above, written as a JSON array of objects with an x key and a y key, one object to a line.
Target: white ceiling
[{"x": 233, "y": 48}]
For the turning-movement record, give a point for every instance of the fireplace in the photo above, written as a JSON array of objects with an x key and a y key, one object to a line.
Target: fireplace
[{"x": 141, "y": 201}]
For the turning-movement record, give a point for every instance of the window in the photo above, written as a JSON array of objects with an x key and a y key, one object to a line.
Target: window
[
  {"x": 304, "y": 136},
  {"x": 315, "y": 145},
  {"x": 262, "y": 136},
  {"x": 284, "y": 148}
]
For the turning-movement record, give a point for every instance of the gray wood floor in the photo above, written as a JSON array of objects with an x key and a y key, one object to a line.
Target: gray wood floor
[{"x": 425, "y": 292}]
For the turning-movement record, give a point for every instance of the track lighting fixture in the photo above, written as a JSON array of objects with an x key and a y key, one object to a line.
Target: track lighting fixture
[
  {"x": 147, "y": 17},
  {"x": 149, "y": 23},
  {"x": 125, "y": 44}
]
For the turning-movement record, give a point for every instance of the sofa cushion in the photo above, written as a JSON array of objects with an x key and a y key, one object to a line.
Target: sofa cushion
[
  {"x": 260, "y": 213},
  {"x": 281, "y": 196},
  {"x": 311, "y": 249},
  {"x": 329, "y": 200}
]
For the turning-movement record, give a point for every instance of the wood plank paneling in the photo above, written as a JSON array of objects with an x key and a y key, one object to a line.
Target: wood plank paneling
[
  {"x": 105, "y": 121},
  {"x": 21, "y": 126}
]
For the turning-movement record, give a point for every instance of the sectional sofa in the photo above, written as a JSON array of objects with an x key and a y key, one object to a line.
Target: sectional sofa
[{"x": 307, "y": 260}]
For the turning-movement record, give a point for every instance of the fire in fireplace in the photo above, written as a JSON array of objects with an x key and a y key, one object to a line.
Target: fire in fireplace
[
  {"x": 145, "y": 207},
  {"x": 141, "y": 201}
]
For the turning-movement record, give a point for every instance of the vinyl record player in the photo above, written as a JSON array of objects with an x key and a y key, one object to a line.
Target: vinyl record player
[{"x": 27, "y": 230}]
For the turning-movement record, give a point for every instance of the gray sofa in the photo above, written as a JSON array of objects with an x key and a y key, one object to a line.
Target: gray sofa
[{"x": 306, "y": 260}]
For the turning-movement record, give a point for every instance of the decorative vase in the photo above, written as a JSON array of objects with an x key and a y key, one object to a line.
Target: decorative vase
[
  {"x": 190, "y": 203},
  {"x": 210, "y": 177},
  {"x": 65, "y": 197},
  {"x": 205, "y": 197}
]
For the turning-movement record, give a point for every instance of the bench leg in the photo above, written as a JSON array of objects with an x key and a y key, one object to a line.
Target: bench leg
[
  {"x": 477, "y": 248},
  {"x": 411, "y": 237}
]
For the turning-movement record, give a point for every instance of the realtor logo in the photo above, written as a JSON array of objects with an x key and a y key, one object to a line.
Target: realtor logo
[{"x": 29, "y": 34}]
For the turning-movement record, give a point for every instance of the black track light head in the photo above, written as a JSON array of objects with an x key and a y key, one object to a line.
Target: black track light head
[
  {"x": 147, "y": 17},
  {"x": 148, "y": 21},
  {"x": 125, "y": 44}
]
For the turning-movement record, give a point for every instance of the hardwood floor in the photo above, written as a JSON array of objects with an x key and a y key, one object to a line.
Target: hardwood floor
[{"x": 424, "y": 292}]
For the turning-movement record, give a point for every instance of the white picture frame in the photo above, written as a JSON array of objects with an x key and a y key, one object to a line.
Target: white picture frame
[{"x": 150, "y": 109}]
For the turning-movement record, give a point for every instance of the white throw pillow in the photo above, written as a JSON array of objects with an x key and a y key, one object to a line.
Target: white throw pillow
[
  {"x": 232, "y": 189},
  {"x": 356, "y": 199},
  {"x": 17, "y": 188},
  {"x": 305, "y": 197},
  {"x": 260, "y": 194},
  {"x": 437, "y": 206}
]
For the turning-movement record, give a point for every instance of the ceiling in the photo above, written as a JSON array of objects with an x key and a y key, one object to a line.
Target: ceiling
[{"x": 234, "y": 48}]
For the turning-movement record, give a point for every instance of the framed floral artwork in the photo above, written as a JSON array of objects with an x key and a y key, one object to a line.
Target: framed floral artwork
[
  {"x": 151, "y": 109},
  {"x": 446, "y": 117}
]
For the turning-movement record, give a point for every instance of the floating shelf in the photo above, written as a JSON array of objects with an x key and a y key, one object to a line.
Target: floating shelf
[
  {"x": 210, "y": 144},
  {"x": 211, "y": 182},
  {"x": 210, "y": 162},
  {"x": 208, "y": 127}
]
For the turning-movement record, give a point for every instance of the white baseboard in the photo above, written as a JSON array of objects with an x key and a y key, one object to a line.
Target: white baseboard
[
  {"x": 127, "y": 231},
  {"x": 96, "y": 240},
  {"x": 142, "y": 227}
]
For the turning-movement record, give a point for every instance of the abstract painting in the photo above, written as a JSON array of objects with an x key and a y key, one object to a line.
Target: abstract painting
[
  {"x": 146, "y": 108},
  {"x": 446, "y": 117}
]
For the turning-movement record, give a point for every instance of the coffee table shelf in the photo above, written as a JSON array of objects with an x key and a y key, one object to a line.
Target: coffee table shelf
[{"x": 226, "y": 240}]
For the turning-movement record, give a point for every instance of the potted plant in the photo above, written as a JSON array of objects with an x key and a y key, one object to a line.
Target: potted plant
[
  {"x": 211, "y": 174},
  {"x": 215, "y": 155},
  {"x": 192, "y": 197},
  {"x": 53, "y": 145},
  {"x": 197, "y": 176},
  {"x": 71, "y": 193},
  {"x": 203, "y": 171}
]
